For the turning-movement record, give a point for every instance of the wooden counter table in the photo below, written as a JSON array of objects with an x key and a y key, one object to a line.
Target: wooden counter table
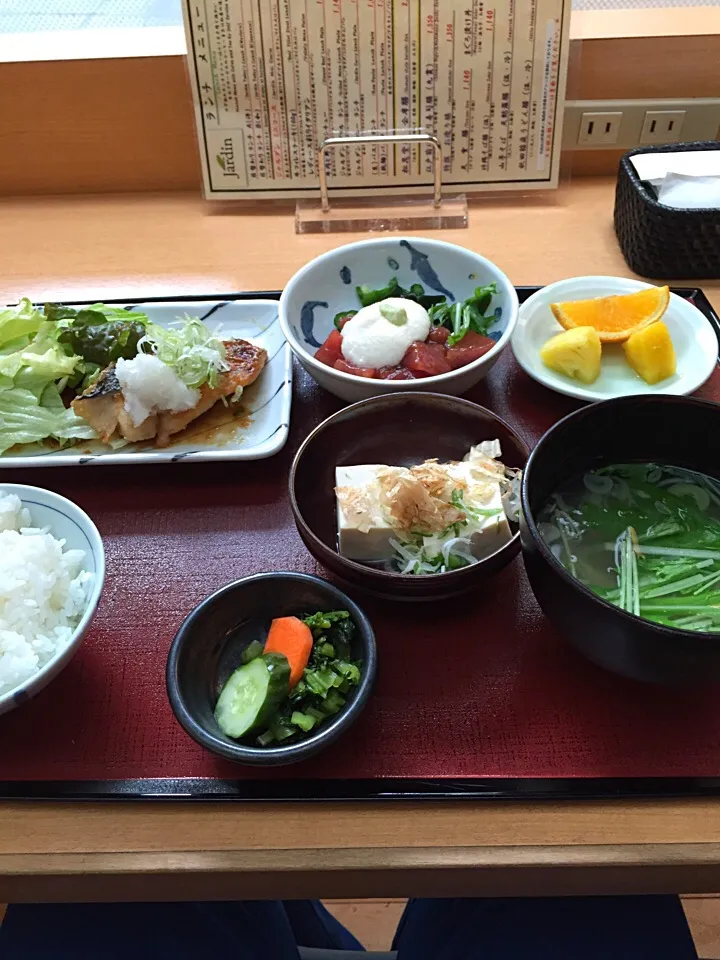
[{"x": 144, "y": 245}]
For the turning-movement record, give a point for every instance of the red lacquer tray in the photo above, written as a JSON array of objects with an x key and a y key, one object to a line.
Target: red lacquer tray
[{"x": 477, "y": 697}]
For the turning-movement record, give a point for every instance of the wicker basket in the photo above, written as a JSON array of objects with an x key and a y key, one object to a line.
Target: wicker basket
[{"x": 663, "y": 242}]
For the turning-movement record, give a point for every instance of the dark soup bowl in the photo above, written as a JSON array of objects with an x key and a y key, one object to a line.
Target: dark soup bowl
[
  {"x": 676, "y": 431},
  {"x": 401, "y": 429},
  {"x": 209, "y": 647}
]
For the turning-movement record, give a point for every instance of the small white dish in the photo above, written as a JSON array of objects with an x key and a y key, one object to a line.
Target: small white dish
[
  {"x": 326, "y": 286},
  {"x": 696, "y": 344},
  {"x": 69, "y": 523},
  {"x": 261, "y": 433}
]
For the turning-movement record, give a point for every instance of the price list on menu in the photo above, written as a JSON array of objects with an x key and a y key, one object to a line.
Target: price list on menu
[{"x": 273, "y": 78}]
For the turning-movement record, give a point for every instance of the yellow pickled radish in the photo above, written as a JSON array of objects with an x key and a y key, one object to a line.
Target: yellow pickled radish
[
  {"x": 575, "y": 353},
  {"x": 650, "y": 352}
]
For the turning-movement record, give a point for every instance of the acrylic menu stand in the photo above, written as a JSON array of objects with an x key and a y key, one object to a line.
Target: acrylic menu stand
[{"x": 381, "y": 213}]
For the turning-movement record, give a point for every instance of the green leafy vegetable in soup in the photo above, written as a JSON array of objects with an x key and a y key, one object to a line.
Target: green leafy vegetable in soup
[{"x": 645, "y": 537}]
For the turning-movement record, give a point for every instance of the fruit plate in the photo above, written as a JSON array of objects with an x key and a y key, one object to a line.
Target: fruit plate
[
  {"x": 695, "y": 341},
  {"x": 255, "y": 428}
]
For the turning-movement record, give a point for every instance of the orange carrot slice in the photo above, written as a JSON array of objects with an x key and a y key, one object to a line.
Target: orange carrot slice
[{"x": 293, "y": 638}]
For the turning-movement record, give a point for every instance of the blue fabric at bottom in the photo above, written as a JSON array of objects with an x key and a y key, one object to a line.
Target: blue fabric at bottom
[
  {"x": 544, "y": 928},
  {"x": 570, "y": 928},
  {"x": 252, "y": 930}
]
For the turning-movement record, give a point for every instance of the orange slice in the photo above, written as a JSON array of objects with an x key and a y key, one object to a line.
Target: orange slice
[{"x": 614, "y": 318}]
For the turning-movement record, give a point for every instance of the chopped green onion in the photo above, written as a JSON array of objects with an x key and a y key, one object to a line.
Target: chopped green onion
[{"x": 195, "y": 354}]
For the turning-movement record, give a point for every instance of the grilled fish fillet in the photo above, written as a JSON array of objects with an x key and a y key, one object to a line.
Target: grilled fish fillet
[
  {"x": 245, "y": 361},
  {"x": 103, "y": 405}
]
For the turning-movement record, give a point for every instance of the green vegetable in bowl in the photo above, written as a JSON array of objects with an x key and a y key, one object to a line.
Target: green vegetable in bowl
[
  {"x": 259, "y": 698},
  {"x": 252, "y": 695},
  {"x": 368, "y": 295},
  {"x": 339, "y": 318},
  {"x": 320, "y": 622},
  {"x": 643, "y": 536},
  {"x": 470, "y": 315}
]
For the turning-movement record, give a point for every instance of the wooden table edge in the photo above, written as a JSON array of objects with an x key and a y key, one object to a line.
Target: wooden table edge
[{"x": 526, "y": 870}]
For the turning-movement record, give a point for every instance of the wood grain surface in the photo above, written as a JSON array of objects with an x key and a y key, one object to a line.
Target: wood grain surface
[{"x": 170, "y": 244}]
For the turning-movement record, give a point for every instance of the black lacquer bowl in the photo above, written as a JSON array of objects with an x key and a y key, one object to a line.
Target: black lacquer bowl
[
  {"x": 679, "y": 431},
  {"x": 207, "y": 649},
  {"x": 398, "y": 429}
]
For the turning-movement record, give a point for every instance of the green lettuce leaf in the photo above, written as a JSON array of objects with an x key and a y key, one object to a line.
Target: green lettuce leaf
[
  {"x": 20, "y": 321},
  {"x": 100, "y": 333},
  {"x": 33, "y": 367},
  {"x": 27, "y": 416}
]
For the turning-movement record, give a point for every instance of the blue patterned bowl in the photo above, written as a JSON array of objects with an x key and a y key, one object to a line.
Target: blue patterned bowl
[{"x": 326, "y": 286}]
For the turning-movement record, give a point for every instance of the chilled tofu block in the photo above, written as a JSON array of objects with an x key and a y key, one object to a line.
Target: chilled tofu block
[
  {"x": 372, "y": 542},
  {"x": 366, "y": 527},
  {"x": 490, "y": 533}
]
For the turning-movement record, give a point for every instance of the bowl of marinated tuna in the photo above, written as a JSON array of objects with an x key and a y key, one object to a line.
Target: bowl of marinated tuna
[{"x": 392, "y": 314}]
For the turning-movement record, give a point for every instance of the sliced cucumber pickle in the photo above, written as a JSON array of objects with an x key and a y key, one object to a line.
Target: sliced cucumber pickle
[{"x": 252, "y": 694}]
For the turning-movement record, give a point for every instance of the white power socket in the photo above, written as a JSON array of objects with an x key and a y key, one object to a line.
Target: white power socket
[
  {"x": 662, "y": 126},
  {"x": 599, "y": 128},
  {"x": 613, "y": 124}
]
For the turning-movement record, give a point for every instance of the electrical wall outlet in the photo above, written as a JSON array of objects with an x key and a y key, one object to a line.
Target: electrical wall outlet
[
  {"x": 599, "y": 128},
  {"x": 613, "y": 124},
  {"x": 662, "y": 126}
]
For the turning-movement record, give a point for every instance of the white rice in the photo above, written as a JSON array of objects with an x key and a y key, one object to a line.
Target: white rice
[{"x": 43, "y": 594}]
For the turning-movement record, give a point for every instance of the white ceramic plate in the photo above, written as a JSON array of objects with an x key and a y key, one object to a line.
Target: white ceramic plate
[
  {"x": 260, "y": 431},
  {"x": 695, "y": 342}
]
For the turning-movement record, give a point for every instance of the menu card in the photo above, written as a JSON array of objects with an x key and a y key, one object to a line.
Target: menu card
[{"x": 273, "y": 78}]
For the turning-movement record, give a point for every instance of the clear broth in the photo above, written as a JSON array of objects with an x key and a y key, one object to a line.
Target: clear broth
[{"x": 645, "y": 537}]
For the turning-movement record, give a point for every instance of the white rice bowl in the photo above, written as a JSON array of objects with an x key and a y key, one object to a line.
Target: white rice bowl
[{"x": 51, "y": 573}]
